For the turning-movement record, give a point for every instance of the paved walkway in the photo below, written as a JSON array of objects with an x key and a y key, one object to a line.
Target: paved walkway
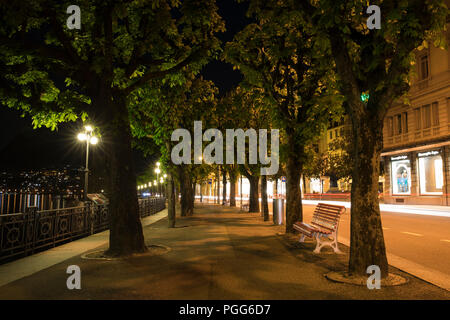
[{"x": 219, "y": 253}]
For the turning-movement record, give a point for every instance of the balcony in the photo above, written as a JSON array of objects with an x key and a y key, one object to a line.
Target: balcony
[{"x": 417, "y": 136}]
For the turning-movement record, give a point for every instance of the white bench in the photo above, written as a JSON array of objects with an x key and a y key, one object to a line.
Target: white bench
[{"x": 324, "y": 224}]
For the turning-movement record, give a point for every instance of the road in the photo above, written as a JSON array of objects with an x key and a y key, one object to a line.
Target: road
[{"x": 423, "y": 239}]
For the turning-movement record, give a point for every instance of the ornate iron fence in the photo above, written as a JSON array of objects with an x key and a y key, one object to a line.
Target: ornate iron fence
[{"x": 23, "y": 234}]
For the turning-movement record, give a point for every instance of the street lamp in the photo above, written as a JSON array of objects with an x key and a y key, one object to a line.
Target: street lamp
[
  {"x": 90, "y": 139},
  {"x": 158, "y": 171}
]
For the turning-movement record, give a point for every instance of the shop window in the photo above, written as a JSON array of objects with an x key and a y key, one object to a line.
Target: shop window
[
  {"x": 430, "y": 174},
  {"x": 401, "y": 177}
]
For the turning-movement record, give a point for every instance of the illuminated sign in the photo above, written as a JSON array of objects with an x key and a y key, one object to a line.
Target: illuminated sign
[
  {"x": 427, "y": 154},
  {"x": 399, "y": 158}
]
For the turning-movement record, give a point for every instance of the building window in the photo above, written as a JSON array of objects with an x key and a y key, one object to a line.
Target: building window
[
  {"x": 405, "y": 122},
  {"x": 418, "y": 118},
  {"x": 431, "y": 176},
  {"x": 435, "y": 111},
  {"x": 401, "y": 177},
  {"x": 331, "y": 134},
  {"x": 398, "y": 124},
  {"x": 426, "y": 116},
  {"x": 423, "y": 72},
  {"x": 390, "y": 126}
]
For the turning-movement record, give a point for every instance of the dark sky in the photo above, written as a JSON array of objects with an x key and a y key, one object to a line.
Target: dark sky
[{"x": 22, "y": 147}]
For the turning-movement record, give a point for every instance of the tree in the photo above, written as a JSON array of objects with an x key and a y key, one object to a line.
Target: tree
[
  {"x": 280, "y": 55},
  {"x": 251, "y": 111},
  {"x": 374, "y": 68},
  {"x": 57, "y": 74},
  {"x": 161, "y": 110}
]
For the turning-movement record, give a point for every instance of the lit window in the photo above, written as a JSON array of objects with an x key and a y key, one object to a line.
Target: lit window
[
  {"x": 430, "y": 174},
  {"x": 401, "y": 177}
]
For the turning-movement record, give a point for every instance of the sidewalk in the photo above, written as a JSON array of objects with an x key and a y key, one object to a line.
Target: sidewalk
[
  {"x": 219, "y": 253},
  {"x": 18, "y": 269}
]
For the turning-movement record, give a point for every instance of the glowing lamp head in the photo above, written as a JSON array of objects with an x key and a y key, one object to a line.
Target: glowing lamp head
[
  {"x": 158, "y": 164},
  {"x": 165, "y": 175},
  {"x": 154, "y": 182},
  {"x": 88, "y": 128},
  {"x": 94, "y": 140},
  {"x": 82, "y": 137},
  {"x": 157, "y": 170}
]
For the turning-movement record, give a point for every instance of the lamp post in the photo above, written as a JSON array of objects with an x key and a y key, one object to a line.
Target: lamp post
[
  {"x": 90, "y": 139},
  {"x": 158, "y": 171}
]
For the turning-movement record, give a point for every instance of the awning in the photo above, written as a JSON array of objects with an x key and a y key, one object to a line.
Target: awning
[{"x": 419, "y": 148}]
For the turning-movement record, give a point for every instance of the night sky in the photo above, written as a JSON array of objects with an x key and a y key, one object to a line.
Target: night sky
[{"x": 22, "y": 147}]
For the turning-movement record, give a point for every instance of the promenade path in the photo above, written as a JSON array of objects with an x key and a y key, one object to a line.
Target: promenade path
[{"x": 219, "y": 253}]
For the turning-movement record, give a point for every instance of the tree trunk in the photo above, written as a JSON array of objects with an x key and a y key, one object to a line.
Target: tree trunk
[
  {"x": 126, "y": 236},
  {"x": 224, "y": 185},
  {"x": 294, "y": 210},
  {"x": 367, "y": 240},
  {"x": 171, "y": 211},
  {"x": 265, "y": 205},
  {"x": 233, "y": 179},
  {"x": 218, "y": 186},
  {"x": 187, "y": 208},
  {"x": 254, "y": 199}
]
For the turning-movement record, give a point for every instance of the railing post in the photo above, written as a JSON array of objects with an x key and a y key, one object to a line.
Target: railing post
[
  {"x": 90, "y": 212},
  {"x": 32, "y": 214}
]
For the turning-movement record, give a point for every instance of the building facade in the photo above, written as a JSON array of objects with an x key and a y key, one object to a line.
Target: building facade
[{"x": 416, "y": 146}]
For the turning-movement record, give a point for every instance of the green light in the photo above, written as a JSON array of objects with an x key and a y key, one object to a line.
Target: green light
[{"x": 364, "y": 97}]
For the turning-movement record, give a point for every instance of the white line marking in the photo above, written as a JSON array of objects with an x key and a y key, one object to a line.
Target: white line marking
[
  {"x": 385, "y": 228},
  {"x": 413, "y": 234}
]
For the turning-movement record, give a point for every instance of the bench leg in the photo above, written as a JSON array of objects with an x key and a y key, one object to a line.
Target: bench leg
[
  {"x": 319, "y": 244},
  {"x": 333, "y": 244},
  {"x": 302, "y": 238}
]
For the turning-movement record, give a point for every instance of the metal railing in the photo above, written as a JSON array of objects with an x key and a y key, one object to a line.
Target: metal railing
[{"x": 22, "y": 234}]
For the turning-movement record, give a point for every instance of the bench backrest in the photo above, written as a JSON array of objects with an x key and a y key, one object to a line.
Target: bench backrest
[{"x": 326, "y": 216}]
